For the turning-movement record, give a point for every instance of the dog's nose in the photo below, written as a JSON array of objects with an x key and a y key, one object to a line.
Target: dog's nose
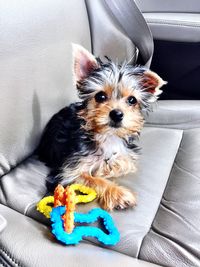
[{"x": 116, "y": 115}]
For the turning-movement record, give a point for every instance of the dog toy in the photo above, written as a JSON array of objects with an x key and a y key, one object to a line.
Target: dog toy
[
  {"x": 63, "y": 216},
  {"x": 68, "y": 217},
  {"x": 89, "y": 193},
  {"x": 59, "y": 196},
  {"x": 46, "y": 204},
  {"x": 82, "y": 231}
]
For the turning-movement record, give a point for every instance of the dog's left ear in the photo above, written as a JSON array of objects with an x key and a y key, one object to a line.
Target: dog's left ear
[
  {"x": 151, "y": 82},
  {"x": 84, "y": 63}
]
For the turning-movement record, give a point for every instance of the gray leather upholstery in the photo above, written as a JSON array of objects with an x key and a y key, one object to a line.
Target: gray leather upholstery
[
  {"x": 192, "y": 6},
  {"x": 36, "y": 81},
  {"x": 28, "y": 243},
  {"x": 182, "y": 27},
  {"x": 31, "y": 173},
  {"x": 3, "y": 223},
  {"x": 35, "y": 57},
  {"x": 126, "y": 14},
  {"x": 97, "y": 10},
  {"x": 167, "y": 114},
  {"x": 175, "y": 233},
  {"x": 177, "y": 21}
]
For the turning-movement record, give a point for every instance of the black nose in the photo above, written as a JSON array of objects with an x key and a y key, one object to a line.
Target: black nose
[{"x": 116, "y": 115}]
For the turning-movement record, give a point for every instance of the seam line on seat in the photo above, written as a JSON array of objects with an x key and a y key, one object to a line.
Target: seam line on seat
[
  {"x": 8, "y": 257},
  {"x": 173, "y": 23},
  {"x": 175, "y": 123},
  {"x": 186, "y": 171},
  {"x": 15, "y": 166},
  {"x": 169, "y": 128},
  {"x": 177, "y": 242},
  {"x": 161, "y": 196},
  {"x": 177, "y": 214},
  {"x": 9, "y": 171},
  {"x": 154, "y": 124}
]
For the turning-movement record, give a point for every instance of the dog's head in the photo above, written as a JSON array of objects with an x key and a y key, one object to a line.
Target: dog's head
[{"x": 114, "y": 94}]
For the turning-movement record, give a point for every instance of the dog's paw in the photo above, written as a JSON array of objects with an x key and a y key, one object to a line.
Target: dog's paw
[{"x": 117, "y": 197}]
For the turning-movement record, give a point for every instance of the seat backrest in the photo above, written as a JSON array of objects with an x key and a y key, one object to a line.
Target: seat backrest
[
  {"x": 35, "y": 69},
  {"x": 36, "y": 65}
]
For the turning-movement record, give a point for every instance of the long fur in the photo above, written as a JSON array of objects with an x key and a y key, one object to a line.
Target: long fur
[{"x": 80, "y": 143}]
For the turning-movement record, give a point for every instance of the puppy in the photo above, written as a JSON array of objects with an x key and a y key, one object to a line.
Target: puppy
[{"x": 93, "y": 140}]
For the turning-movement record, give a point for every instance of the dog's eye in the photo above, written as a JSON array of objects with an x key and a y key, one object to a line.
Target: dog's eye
[
  {"x": 101, "y": 97},
  {"x": 131, "y": 100}
]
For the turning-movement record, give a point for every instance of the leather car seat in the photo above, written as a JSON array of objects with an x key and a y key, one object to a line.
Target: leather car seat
[{"x": 36, "y": 81}]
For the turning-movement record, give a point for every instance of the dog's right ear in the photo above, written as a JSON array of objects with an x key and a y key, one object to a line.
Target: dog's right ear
[{"x": 84, "y": 63}]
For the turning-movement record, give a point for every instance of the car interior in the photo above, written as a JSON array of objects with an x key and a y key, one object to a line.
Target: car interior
[{"x": 36, "y": 82}]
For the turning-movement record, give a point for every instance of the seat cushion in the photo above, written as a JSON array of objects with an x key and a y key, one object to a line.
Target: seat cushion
[
  {"x": 174, "y": 237},
  {"x": 23, "y": 187},
  {"x": 35, "y": 68},
  {"x": 26, "y": 242},
  {"x": 175, "y": 115}
]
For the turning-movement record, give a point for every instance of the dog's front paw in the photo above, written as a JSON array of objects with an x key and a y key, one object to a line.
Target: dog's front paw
[{"x": 117, "y": 197}]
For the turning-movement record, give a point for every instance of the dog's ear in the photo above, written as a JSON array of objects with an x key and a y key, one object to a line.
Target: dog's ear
[
  {"x": 151, "y": 82},
  {"x": 84, "y": 62}
]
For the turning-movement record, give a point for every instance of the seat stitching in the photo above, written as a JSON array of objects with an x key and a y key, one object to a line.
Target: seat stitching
[
  {"x": 8, "y": 257},
  {"x": 177, "y": 242},
  {"x": 176, "y": 213},
  {"x": 185, "y": 170}
]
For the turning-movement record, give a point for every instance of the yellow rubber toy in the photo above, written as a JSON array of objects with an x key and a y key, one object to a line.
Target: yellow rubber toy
[
  {"x": 60, "y": 196},
  {"x": 44, "y": 206},
  {"x": 89, "y": 193}
]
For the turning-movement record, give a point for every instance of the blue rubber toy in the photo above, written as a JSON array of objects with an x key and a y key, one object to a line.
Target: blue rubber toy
[{"x": 79, "y": 232}]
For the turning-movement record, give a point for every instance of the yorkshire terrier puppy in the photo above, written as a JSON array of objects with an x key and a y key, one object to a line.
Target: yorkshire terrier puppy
[{"x": 93, "y": 140}]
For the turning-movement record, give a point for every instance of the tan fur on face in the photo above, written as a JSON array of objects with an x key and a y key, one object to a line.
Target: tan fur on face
[
  {"x": 112, "y": 157},
  {"x": 97, "y": 118}
]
